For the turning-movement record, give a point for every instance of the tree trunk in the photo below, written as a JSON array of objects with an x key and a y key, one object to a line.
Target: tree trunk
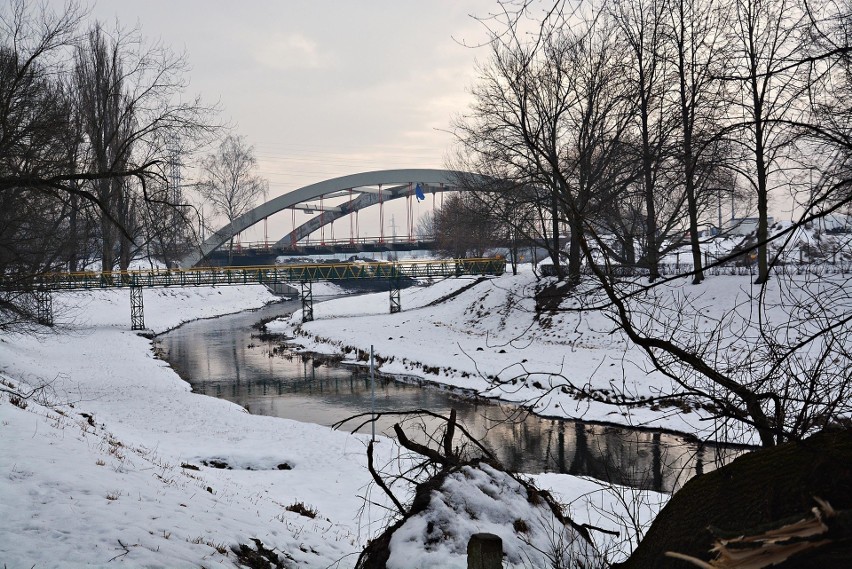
[
  {"x": 695, "y": 246},
  {"x": 73, "y": 236},
  {"x": 651, "y": 247},
  {"x": 107, "y": 245},
  {"x": 514, "y": 252},
  {"x": 688, "y": 159},
  {"x": 554, "y": 255},
  {"x": 762, "y": 197},
  {"x": 574, "y": 253},
  {"x": 629, "y": 252},
  {"x": 757, "y": 488}
]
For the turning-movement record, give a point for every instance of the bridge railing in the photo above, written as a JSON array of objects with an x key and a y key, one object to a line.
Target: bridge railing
[
  {"x": 319, "y": 242},
  {"x": 206, "y": 276}
]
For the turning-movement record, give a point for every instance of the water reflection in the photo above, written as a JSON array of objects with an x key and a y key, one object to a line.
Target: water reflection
[{"x": 221, "y": 358}]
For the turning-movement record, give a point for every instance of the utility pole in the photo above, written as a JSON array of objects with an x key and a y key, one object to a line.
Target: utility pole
[
  {"x": 174, "y": 236},
  {"x": 174, "y": 170},
  {"x": 393, "y": 228}
]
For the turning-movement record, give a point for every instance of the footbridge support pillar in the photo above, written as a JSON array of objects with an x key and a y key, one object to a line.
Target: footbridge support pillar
[
  {"x": 307, "y": 301},
  {"x": 44, "y": 306},
  {"x": 137, "y": 308},
  {"x": 395, "y": 303}
]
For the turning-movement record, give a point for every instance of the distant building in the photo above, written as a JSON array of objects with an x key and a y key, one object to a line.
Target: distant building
[
  {"x": 835, "y": 223},
  {"x": 744, "y": 225}
]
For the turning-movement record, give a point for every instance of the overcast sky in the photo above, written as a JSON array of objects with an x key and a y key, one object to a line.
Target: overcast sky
[{"x": 323, "y": 89}]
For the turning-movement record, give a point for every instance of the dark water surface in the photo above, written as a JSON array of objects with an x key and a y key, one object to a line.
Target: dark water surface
[{"x": 223, "y": 357}]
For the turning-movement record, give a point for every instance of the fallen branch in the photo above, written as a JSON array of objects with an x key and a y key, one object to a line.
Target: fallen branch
[
  {"x": 379, "y": 481},
  {"x": 432, "y": 455},
  {"x": 125, "y": 548}
]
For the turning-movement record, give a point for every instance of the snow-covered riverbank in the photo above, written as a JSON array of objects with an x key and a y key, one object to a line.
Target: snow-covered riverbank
[
  {"x": 111, "y": 460},
  {"x": 484, "y": 329}
]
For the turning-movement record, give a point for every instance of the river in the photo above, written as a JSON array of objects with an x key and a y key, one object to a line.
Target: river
[{"x": 224, "y": 357}]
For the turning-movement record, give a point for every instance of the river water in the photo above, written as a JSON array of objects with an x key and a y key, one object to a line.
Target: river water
[{"x": 223, "y": 357}]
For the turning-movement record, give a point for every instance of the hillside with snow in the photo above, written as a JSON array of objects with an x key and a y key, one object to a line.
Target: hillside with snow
[
  {"x": 492, "y": 337},
  {"x": 107, "y": 458}
]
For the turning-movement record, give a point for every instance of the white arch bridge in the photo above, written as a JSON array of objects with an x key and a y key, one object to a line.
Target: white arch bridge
[
  {"x": 358, "y": 191},
  {"x": 362, "y": 190}
]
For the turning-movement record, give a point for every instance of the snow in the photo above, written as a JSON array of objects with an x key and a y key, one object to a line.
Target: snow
[
  {"x": 78, "y": 492},
  {"x": 111, "y": 460},
  {"x": 482, "y": 499},
  {"x": 488, "y": 338},
  {"x": 491, "y": 330},
  {"x": 810, "y": 244}
]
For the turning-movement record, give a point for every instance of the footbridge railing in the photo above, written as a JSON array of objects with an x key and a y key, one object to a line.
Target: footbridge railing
[
  {"x": 303, "y": 274},
  {"x": 293, "y": 273}
]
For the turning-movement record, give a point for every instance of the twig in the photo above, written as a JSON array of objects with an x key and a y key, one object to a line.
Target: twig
[
  {"x": 448, "y": 435},
  {"x": 432, "y": 455},
  {"x": 379, "y": 481},
  {"x": 126, "y": 551}
]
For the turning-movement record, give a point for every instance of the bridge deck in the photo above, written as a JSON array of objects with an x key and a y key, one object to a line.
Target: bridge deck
[{"x": 206, "y": 276}]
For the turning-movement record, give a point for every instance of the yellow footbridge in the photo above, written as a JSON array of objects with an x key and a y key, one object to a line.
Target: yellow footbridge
[{"x": 272, "y": 276}]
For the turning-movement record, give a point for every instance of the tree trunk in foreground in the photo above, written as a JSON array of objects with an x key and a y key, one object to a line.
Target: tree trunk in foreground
[{"x": 756, "y": 489}]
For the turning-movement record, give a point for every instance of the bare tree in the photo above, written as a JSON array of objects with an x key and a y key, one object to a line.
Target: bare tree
[
  {"x": 522, "y": 219},
  {"x": 229, "y": 182},
  {"x": 35, "y": 132},
  {"x": 768, "y": 86},
  {"x": 465, "y": 227},
  {"x": 548, "y": 118},
  {"x": 523, "y": 210},
  {"x": 776, "y": 362},
  {"x": 49, "y": 174},
  {"x": 108, "y": 122},
  {"x": 697, "y": 51},
  {"x": 825, "y": 129},
  {"x": 595, "y": 164},
  {"x": 130, "y": 115},
  {"x": 493, "y": 137},
  {"x": 34, "y": 111},
  {"x": 642, "y": 26}
]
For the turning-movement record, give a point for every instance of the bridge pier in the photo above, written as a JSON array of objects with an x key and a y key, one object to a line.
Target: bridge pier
[
  {"x": 44, "y": 306},
  {"x": 395, "y": 303},
  {"x": 137, "y": 312},
  {"x": 307, "y": 302}
]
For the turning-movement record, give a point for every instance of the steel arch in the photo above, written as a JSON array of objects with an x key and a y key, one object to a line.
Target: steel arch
[
  {"x": 363, "y": 201},
  {"x": 450, "y": 179}
]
